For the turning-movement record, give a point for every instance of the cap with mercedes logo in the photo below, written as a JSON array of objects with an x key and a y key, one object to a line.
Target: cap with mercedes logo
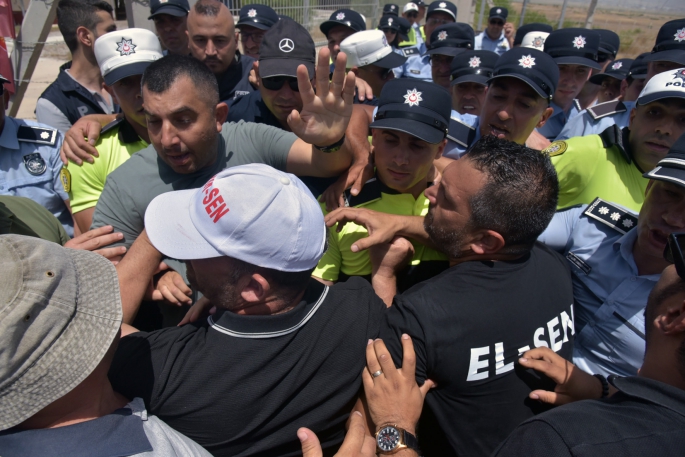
[
  {"x": 177, "y": 8},
  {"x": 419, "y": 108},
  {"x": 286, "y": 46},
  {"x": 617, "y": 69},
  {"x": 442, "y": 7},
  {"x": 473, "y": 67},
  {"x": 125, "y": 53},
  {"x": 669, "y": 84},
  {"x": 258, "y": 16},
  {"x": 345, "y": 17},
  {"x": 672, "y": 167},
  {"x": 532, "y": 27},
  {"x": 574, "y": 47},
  {"x": 370, "y": 47},
  {"x": 499, "y": 13},
  {"x": 535, "y": 68},
  {"x": 670, "y": 43},
  {"x": 391, "y": 8},
  {"x": 451, "y": 39},
  {"x": 638, "y": 69}
]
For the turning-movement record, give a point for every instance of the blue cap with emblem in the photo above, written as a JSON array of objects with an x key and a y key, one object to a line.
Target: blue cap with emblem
[
  {"x": 177, "y": 8},
  {"x": 609, "y": 42},
  {"x": 389, "y": 22},
  {"x": 345, "y": 17},
  {"x": 574, "y": 47},
  {"x": 404, "y": 28},
  {"x": 531, "y": 66},
  {"x": 498, "y": 12},
  {"x": 419, "y": 108},
  {"x": 391, "y": 8},
  {"x": 473, "y": 66},
  {"x": 672, "y": 167},
  {"x": 618, "y": 69},
  {"x": 451, "y": 39},
  {"x": 638, "y": 69},
  {"x": 670, "y": 43},
  {"x": 442, "y": 7},
  {"x": 258, "y": 16},
  {"x": 532, "y": 27}
]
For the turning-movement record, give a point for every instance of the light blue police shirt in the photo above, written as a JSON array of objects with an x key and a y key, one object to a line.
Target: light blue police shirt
[
  {"x": 557, "y": 121},
  {"x": 31, "y": 168},
  {"x": 416, "y": 66},
  {"x": 583, "y": 124},
  {"x": 609, "y": 294},
  {"x": 458, "y": 142},
  {"x": 484, "y": 42}
]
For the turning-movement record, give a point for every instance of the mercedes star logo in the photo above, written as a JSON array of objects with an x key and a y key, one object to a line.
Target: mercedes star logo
[{"x": 286, "y": 45}]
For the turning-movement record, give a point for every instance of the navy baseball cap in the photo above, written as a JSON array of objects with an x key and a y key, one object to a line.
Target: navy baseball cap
[
  {"x": 638, "y": 69},
  {"x": 535, "y": 68},
  {"x": 670, "y": 43},
  {"x": 499, "y": 13},
  {"x": 404, "y": 28},
  {"x": 442, "y": 7},
  {"x": 392, "y": 9},
  {"x": 532, "y": 27},
  {"x": 286, "y": 45},
  {"x": 345, "y": 17},
  {"x": 619, "y": 69},
  {"x": 672, "y": 167},
  {"x": 419, "y": 108},
  {"x": 574, "y": 47},
  {"x": 473, "y": 66},
  {"x": 609, "y": 43},
  {"x": 259, "y": 16},
  {"x": 451, "y": 39},
  {"x": 176, "y": 8},
  {"x": 389, "y": 22}
]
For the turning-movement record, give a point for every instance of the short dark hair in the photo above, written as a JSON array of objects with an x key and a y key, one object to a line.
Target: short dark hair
[
  {"x": 72, "y": 14},
  {"x": 520, "y": 195},
  {"x": 286, "y": 285},
  {"x": 208, "y": 7},
  {"x": 160, "y": 75}
]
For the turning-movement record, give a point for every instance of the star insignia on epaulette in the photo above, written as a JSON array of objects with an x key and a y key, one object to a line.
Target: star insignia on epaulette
[
  {"x": 45, "y": 135},
  {"x": 126, "y": 47},
  {"x": 579, "y": 42},
  {"x": 615, "y": 216},
  {"x": 603, "y": 210},
  {"x": 627, "y": 223}
]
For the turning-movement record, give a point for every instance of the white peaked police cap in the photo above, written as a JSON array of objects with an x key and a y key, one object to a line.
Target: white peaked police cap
[
  {"x": 669, "y": 84},
  {"x": 370, "y": 47},
  {"x": 535, "y": 40},
  {"x": 252, "y": 213},
  {"x": 125, "y": 53}
]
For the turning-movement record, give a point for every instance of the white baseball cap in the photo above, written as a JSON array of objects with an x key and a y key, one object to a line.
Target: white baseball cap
[
  {"x": 534, "y": 40},
  {"x": 252, "y": 213},
  {"x": 370, "y": 47},
  {"x": 669, "y": 84},
  {"x": 410, "y": 7},
  {"x": 126, "y": 53}
]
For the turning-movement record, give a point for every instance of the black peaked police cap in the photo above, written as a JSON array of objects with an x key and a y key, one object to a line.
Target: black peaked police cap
[{"x": 531, "y": 66}]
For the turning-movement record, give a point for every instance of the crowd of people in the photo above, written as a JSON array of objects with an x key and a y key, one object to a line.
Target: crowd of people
[{"x": 417, "y": 240}]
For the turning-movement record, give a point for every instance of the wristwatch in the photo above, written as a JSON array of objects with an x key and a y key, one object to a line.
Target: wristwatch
[
  {"x": 391, "y": 439},
  {"x": 335, "y": 147}
]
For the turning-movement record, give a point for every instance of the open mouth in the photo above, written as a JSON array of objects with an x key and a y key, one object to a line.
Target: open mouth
[
  {"x": 179, "y": 160},
  {"x": 658, "y": 238},
  {"x": 498, "y": 131}
]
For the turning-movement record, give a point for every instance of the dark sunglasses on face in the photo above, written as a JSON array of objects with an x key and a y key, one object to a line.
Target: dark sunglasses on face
[
  {"x": 277, "y": 82},
  {"x": 500, "y": 23},
  {"x": 414, "y": 14},
  {"x": 674, "y": 252}
]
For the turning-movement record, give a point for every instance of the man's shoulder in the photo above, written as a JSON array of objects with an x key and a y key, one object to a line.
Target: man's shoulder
[
  {"x": 586, "y": 145},
  {"x": 607, "y": 217},
  {"x": 35, "y": 133}
]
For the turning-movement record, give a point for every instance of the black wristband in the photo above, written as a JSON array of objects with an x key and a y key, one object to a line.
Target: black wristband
[
  {"x": 605, "y": 385},
  {"x": 333, "y": 147}
]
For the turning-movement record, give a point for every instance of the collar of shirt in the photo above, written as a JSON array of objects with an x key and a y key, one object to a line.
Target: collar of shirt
[
  {"x": 487, "y": 37},
  {"x": 275, "y": 325},
  {"x": 68, "y": 82},
  {"x": 8, "y": 138},
  {"x": 127, "y": 133},
  {"x": 656, "y": 392}
]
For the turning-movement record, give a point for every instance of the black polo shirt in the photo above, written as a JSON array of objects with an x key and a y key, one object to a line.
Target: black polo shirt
[
  {"x": 644, "y": 418},
  {"x": 234, "y": 82},
  {"x": 243, "y": 385},
  {"x": 469, "y": 325},
  {"x": 251, "y": 108}
]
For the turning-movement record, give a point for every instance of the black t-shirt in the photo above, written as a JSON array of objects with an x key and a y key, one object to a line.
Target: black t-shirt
[
  {"x": 243, "y": 385},
  {"x": 469, "y": 324}
]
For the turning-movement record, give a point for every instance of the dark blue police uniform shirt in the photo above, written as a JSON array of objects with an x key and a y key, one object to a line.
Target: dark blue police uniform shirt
[{"x": 234, "y": 83}]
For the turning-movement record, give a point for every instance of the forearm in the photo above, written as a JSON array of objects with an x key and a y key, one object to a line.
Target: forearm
[
  {"x": 385, "y": 286},
  {"x": 357, "y": 135},
  {"x": 135, "y": 272}
]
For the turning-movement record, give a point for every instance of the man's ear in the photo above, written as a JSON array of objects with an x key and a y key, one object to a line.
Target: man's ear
[
  {"x": 545, "y": 115},
  {"x": 85, "y": 37},
  {"x": 486, "y": 242},
  {"x": 633, "y": 113},
  {"x": 256, "y": 290},
  {"x": 441, "y": 149},
  {"x": 220, "y": 113},
  {"x": 624, "y": 88},
  {"x": 672, "y": 320}
]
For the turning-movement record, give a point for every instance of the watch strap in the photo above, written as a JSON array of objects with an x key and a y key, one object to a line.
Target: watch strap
[
  {"x": 411, "y": 442},
  {"x": 335, "y": 147},
  {"x": 605, "y": 385}
]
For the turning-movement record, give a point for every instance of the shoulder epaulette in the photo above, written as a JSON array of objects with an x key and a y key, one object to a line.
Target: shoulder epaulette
[
  {"x": 460, "y": 132},
  {"x": 410, "y": 51},
  {"x": 39, "y": 135},
  {"x": 370, "y": 192},
  {"x": 576, "y": 103},
  {"x": 612, "y": 215},
  {"x": 606, "y": 109},
  {"x": 615, "y": 136},
  {"x": 111, "y": 125}
]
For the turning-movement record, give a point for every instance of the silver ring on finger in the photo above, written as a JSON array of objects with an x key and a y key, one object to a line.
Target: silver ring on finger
[{"x": 377, "y": 374}]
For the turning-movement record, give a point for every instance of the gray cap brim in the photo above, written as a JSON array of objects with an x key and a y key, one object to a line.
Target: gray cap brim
[
  {"x": 673, "y": 175},
  {"x": 269, "y": 68}
]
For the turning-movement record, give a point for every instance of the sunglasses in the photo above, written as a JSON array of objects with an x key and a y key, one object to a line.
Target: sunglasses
[
  {"x": 674, "y": 252},
  {"x": 277, "y": 82},
  {"x": 414, "y": 14},
  {"x": 256, "y": 37},
  {"x": 497, "y": 23}
]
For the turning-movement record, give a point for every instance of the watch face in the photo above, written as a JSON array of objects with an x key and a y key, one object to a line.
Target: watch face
[{"x": 388, "y": 438}]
